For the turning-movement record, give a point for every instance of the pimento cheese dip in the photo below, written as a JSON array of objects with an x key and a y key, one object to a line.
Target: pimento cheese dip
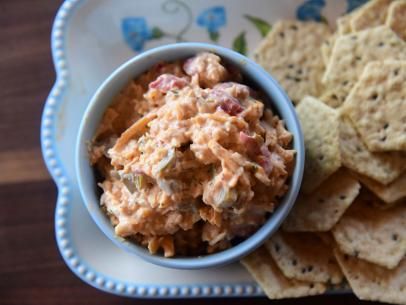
[{"x": 190, "y": 161}]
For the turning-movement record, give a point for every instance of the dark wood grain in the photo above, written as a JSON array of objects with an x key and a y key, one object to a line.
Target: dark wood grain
[{"x": 31, "y": 269}]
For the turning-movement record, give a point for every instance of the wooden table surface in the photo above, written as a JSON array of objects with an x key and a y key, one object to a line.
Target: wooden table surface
[{"x": 31, "y": 268}]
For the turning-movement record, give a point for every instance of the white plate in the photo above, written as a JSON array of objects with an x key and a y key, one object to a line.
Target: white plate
[{"x": 89, "y": 40}]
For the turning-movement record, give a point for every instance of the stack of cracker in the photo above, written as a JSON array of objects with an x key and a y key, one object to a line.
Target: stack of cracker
[{"x": 349, "y": 220}]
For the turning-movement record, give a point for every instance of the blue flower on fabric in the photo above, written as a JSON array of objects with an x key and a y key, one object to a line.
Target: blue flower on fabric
[
  {"x": 311, "y": 10},
  {"x": 353, "y": 4},
  {"x": 136, "y": 32},
  {"x": 212, "y": 19}
]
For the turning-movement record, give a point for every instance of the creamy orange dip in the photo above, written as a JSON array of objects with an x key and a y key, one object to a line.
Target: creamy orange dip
[{"x": 189, "y": 158}]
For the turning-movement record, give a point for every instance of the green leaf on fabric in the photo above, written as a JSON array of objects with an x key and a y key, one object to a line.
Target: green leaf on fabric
[
  {"x": 323, "y": 19},
  {"x": 240, "y": 44},
  {"x": 262, "y": 26},
  {"x": 156, "y": 33},
  {"x": 214, "y": 36}
]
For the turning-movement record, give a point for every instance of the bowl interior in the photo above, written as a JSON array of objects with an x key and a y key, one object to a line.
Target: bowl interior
[{"x": 277, "y": 100}]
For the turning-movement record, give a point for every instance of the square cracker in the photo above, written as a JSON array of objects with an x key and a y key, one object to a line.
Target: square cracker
[
  {"x": 352, "y": 52},
  {"x": 321, "y": 210},
  {"x": 344, "y": 23},
  {"x": 383, "y": 167},
  {"x": 373, "y": 282},
  {"x": 390, "y": 193},
  {"x": 377, "y": 105},
  {"x": 377, "y": 236},
  {"x": 298, "y": 256},
  {"x": 396, "y": 19},
  {"x": 291, "y": 53},
  {"x": 321, "y": 138},
  {"x": 327, "y": 47},
  {"x": 333, "y": 98},
  {"x": 275, "y": 285},
  {"x": 370, "y": 15},
  {"x": 367, "y": 196},
  {"x": 326, "y": 238}
]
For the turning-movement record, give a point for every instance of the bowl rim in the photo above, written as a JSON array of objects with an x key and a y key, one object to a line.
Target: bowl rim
[{"x": 279, "y": 100}]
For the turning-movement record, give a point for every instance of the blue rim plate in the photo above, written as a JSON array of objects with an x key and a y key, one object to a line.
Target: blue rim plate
[{"x": 91, "y": 38}]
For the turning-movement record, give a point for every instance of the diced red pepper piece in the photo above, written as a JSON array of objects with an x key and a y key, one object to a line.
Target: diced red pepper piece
[
  {"x": 251, "y": 144},
  {"x": 265, "y": 159},
  {"x": 227, "y": 103},
  {"x": 166, "y": 82},
  {"x": 259, "y": 152},
  {"x": 240, "y": 91},
  {"x": 231, "y": 108}
]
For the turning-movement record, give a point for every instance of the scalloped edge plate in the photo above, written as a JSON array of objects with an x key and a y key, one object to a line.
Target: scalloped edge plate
[{"x": 52, "y": 157}]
